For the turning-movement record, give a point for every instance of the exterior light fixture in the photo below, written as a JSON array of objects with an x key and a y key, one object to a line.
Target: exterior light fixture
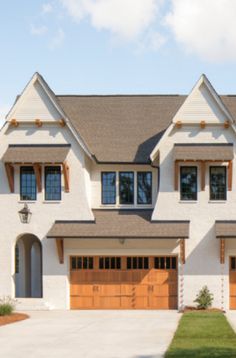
[
  {"x": 122, "y": 241},
  {"x": 25, "y": 214}
]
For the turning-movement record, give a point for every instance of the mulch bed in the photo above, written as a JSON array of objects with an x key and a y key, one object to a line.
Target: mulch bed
[
  {"x": 191, "y": 308},
  {"x": 14, "y": 317}
]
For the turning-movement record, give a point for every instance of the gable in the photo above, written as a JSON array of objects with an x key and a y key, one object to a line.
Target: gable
[
  {"x": 202, "y": 104},
  {"x": 33, "y": 104}
]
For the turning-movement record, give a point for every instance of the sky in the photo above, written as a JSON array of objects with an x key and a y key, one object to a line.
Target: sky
[{"x": 116, "y": 46}]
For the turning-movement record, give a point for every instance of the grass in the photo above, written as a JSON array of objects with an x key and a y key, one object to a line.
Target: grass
[{"x": 203, "y": 335}]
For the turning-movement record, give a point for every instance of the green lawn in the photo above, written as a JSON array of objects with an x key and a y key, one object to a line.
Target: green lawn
[{"x": 203, "y": 334}]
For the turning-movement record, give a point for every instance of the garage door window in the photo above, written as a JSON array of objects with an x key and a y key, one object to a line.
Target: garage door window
[
  {"x": 109, "y": 263},
  {"x": 81, "y": 263},
  {"x": 165, "y": 263},
  {"x": 137, "y": 263},
  {"x": 233, "y": 263}
]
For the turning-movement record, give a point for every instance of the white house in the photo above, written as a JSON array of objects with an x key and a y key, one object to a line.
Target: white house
[{"x": 118, "y": 202}]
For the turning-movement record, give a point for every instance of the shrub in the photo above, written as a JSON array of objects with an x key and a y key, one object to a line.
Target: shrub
[
  {"x": 7, "y": 306},
  {"x": 204, "y": 298}
]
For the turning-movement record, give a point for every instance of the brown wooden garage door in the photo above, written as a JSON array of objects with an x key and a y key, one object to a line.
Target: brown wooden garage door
[
  {"x": 232, "y": 283},
  {"x": 106, "y": 282}
]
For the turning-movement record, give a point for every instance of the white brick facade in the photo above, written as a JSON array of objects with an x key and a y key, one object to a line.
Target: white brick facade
[{"x": 202, "y": 248}]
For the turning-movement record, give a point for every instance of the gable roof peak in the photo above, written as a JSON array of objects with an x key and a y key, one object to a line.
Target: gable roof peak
[{"x": 197, "y": 97}]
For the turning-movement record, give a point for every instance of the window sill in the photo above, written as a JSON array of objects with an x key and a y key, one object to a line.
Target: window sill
[
  {"x": 217, "y": 201},
  {"x": 27, "y": 201},
  {"x": 128, "y": 206},
  {"x": 188, "y": 201},
  {"x": 51, "y": 202}
]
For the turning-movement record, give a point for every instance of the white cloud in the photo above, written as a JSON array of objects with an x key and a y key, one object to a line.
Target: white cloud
[
  {"x": 151, "y": 41},
  {"x": 206, "y": 28},
  {"x": 124, "y": 18},
  {"x": 57, "y": 40},
  {"x": 38, "y": 30},
  {"x": 47, "y": 8}
]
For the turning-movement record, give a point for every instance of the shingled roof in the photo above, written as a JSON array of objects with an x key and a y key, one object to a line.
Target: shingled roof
[
  {"x": 121, "y": 128},
  {"x": 120, "y": 224},
  {"x": 125, "y": 128}
]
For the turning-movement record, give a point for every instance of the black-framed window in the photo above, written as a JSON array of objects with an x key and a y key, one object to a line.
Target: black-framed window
[
  {"x": 126, "y": 187},
  {"x": 82, "y": 263},
  {"x": 144, "y": 188},
  {"x": 218, "y": 183},
  {"x": 188, "y": 183},
  {"x": 137, "y": 263},
  {"x": 233, "y": 263},
  {"x": 53, "y": 183},
  {"x": 165, "y": 263},
  {"x": 28, "y": 189},
  {"x": 109, "y": 263},
  {"x": 108, "y": 188}
]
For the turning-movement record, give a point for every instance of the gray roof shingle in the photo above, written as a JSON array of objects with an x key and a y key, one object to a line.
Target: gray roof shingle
[
  {"x": 121, "y": 128},
  {"x": 120, "y": 224},
  {"x": 36, "y": 153}
]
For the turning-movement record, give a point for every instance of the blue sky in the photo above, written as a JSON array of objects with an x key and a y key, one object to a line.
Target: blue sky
[{"x": 117, "y": 46}]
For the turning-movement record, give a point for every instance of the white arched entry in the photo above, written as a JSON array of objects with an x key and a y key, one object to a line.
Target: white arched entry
[{"x": 28, "y": 266}]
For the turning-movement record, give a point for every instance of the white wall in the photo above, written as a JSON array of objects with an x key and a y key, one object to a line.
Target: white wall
[
  {"x": 202, "y": 248},
  {"x": 73, "y": 206}
]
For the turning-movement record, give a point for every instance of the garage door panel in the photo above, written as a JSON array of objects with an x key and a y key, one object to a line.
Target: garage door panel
[
  {"x": 141, "y": 290},
  {"x": 109, "y": 290},
  {"x": 121, "y": 288},
  {"x": 82, "y": 290},
  {"x": 85, "y": 302},
  {"x": 163, "y": 302},
  {"x": 127, "y": 302},
  {"x": 141, "y": 302},
  {"x": 232, "y": 283},
  {"x": 107, "y": 302},
  {"x": 233, "y": 289},
  {"x": 127, "y": 290},
  {"x": 165, "y": 290}
]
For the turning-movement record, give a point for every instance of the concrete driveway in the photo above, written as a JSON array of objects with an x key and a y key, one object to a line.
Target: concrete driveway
[{"x": 89, "y": 334}]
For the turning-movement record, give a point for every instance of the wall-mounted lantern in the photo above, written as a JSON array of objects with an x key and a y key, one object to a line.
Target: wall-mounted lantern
[{"x": 25, "y": 214}]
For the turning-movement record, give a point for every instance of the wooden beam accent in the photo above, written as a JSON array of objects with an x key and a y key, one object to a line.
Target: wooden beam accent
[
  {"x": 14, "y": 123},
  {"x": 203, "y": 174},
  {"x": 222, "y": 251},
  {"x": 202, "y": 124},
  {"x": 226, "y": 124},
  {"x": 178, "y": 124},
  {"x": 230, "y": 175},
  {"x": 176, "y": 175},
  {"x": 10, "y": 176},
  {"x": 38, "y": 175},
  {"x": 182, "y": 251},
  {"x": 66, "y": 177},
  {"x": 60, "y": 250},
  {"x": 62, "y": 123},
  {"x": 38, "y": 123}
]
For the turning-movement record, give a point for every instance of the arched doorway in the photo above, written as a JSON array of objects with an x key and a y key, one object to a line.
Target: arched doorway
[{"x": 28, "y": 266}]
